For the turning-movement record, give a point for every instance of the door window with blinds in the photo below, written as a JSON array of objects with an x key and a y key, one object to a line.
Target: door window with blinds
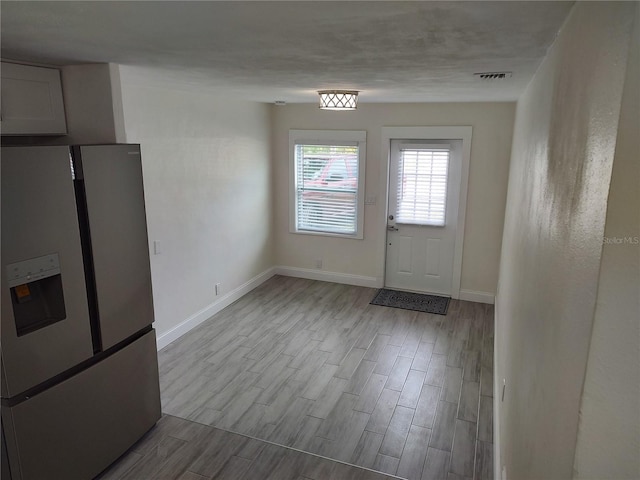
[
  {"x": 327, "y": 182},
  {"x": 421, "y": 191}
]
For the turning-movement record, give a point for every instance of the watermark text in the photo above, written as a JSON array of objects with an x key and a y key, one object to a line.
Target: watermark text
[{"x": 621, "y": 240}]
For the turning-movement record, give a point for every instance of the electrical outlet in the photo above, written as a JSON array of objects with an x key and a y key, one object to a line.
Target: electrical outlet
[
  {"x": 157, "y": 248},
  {"x": 319, "y": 263},
  {"x": 218, "y": 289}
]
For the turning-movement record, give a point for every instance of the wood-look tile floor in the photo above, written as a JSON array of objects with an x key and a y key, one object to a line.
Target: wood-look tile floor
[
  {"x": 311, "y": 365},
  {"x": 180, "y": 449}
]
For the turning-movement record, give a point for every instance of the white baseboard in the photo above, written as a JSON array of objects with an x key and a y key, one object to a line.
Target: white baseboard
[
  {"x": 197, "y": 318},
  {"x": 480, "y": 297},
  {"x": 497, "y": 400},
  {"x": 335, "y": 277}
]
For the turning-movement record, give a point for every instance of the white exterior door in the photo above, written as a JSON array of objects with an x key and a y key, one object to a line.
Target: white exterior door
[{"x": 424, "y": 192}]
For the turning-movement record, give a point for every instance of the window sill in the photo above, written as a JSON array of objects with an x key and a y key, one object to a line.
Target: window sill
[{"x": 327, "y": 234}]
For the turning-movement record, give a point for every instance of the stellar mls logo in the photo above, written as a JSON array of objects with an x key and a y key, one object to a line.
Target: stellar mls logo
[{"x": 621, "y": 240}]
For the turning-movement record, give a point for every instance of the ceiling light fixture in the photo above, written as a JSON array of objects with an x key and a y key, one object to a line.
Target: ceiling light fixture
[
  {"x": 493, "y": 75},
  {"x": 338, "y": 99}
]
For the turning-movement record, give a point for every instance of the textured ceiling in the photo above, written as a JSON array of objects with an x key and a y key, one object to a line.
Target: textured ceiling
[{"x": 397, "y": 51}]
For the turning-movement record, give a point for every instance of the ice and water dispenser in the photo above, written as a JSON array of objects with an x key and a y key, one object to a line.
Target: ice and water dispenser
[{"x": 36, "y": 293}]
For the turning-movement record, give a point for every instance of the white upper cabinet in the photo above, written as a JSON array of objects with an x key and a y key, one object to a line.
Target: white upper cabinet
[{"x": 31, "y": 101}]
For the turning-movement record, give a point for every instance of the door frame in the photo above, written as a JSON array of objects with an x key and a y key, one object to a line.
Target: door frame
[{"x": 463, "y": 133}]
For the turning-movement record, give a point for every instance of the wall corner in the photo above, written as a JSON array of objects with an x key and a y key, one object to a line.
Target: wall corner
[{"x": 117, "y": 104}]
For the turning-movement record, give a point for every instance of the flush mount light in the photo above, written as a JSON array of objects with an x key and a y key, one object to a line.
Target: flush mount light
[
  {"x": 493, "y": 75},
  {"x": 338, "y": 99}
]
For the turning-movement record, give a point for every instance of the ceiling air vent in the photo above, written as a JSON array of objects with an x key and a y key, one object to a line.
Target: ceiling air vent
[{"x": 493, "y": 75}]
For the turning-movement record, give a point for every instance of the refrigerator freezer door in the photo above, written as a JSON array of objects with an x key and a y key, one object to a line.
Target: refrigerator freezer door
[
  {"x": 75, "y": 429},
  {"x": 40, "y": 226},
  {"x": 115, "y": 203}
]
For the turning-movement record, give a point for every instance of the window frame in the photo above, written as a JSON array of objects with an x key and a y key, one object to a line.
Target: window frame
[
  {"x": 327, "y": 137},
  {"x": 433, "y": 145},
  {"x": 426, "y": 134}
]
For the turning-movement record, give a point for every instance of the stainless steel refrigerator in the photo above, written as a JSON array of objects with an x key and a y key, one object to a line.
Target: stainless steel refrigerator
[{"x": 79, "y": 362}]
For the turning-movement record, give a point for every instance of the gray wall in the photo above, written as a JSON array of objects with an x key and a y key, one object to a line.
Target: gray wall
[
  {"x": 93, "y": 103},
  {"x": 561, "y": 164},
  {"x": 609, "y": 431}
]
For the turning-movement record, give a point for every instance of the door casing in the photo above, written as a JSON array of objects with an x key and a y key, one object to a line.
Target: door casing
[{"x": 463, "y": 133}]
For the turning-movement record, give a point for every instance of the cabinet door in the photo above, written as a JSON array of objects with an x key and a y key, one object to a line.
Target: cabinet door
[{"x": 31, "y": 101}]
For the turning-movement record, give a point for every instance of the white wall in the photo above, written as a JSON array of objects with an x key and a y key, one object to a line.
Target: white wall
[
  {"x": 609, "y": 429},
  {"x": 206, "y": 166},
  {"x": 563, "y": 150},
  {"x": 490, "y": 149}
]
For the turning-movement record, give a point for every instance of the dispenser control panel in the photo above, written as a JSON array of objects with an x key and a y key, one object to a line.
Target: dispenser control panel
[{"x": 28, "y": 271}]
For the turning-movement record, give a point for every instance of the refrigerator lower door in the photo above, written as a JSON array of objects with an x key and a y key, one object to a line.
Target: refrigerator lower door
[
  {"x": 79, "y": 427},
  {"x": 45, "y": 316},
  {"x": 112, "y": 177}
]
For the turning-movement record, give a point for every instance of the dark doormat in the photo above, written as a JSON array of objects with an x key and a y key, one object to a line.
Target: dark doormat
[{"x": 411, "y": 301}]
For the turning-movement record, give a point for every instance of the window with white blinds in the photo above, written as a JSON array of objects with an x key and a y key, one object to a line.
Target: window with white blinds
[
  {"x": 327, "y": 186},
  {"x": 422, "y": 185}
]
